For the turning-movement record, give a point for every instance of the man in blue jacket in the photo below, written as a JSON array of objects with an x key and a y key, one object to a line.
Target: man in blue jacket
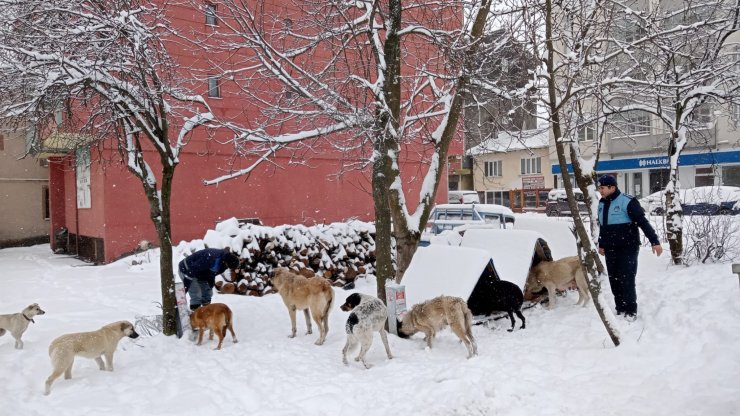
[
  {"x": 198, "y": 272},
  {"x": 619, "y": 241}
]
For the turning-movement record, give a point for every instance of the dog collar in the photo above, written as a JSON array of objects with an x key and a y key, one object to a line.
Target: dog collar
[{"x": 27, "y": 318}]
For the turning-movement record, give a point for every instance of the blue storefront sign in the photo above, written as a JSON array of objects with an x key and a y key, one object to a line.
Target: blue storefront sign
[{"x": 661, "y": 162}]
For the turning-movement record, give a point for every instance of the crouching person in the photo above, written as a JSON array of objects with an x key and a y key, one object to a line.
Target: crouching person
[{"x": 198, "y": 273}]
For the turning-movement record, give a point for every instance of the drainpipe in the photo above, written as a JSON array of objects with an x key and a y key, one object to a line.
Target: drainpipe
[{"x": 77, "y": 215}]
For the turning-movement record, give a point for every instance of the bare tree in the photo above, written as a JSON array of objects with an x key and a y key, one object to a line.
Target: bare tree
[
  {"x": 380, "y": 81},
  {"x": 107, "y": 61},
  {"x": 681, "y": 70}
]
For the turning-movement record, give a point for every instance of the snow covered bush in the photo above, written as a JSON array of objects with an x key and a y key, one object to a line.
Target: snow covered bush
[{"x": 711, "y": 238}]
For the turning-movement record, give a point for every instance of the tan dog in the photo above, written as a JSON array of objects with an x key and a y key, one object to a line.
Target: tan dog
[
  {"x": 314, "y": 295},
  {"x": 434, "y": 315},
  {"x": 216, "y": 317},
  {"x": 558, "y": 275},
  {"x": 17, "y": 323},
  {"x": 93, "y": 344}
]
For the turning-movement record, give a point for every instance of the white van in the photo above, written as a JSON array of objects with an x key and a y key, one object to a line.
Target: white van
[{"x": 463, "y": 197}]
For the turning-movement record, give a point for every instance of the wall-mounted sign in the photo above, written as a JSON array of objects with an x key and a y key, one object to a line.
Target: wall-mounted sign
[
  {"x": 83, "y": 177},
  {"x": 533, "y": 182}
]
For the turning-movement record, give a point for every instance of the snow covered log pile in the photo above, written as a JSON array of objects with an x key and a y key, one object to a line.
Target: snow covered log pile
[{"x": 339, "y": 252}]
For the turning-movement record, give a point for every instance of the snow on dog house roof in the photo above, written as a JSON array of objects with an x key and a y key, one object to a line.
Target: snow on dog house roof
[
  {"x": 445, "y": 270},
  {"x": 512, "y": 251}
]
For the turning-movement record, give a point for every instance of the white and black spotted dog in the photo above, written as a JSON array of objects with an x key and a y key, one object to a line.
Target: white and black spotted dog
[{"x": 368, "y": 314}]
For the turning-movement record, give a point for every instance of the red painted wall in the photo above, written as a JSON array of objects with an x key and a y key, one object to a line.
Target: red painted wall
[{"x": 279, "y": 193}]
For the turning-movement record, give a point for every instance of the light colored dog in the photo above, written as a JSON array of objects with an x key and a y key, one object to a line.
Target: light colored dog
[
  {"x": 436, "y": 314},
  {"x": 558, "y": 275},
  {"x": 314, "y": 295},
  {"x": 216, "y": 317},
  {"x": 368, "y": 314},
  {"x": 17, "y": 323},
  {"x": 93, "y": 344}
]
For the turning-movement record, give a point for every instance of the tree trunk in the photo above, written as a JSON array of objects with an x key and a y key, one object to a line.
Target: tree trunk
[
  {"x": 589, "y": 254},
  {"x": 673, "y": 209},
  {"x": 406, "y": 244},
  {"x": 674, "y": 226},
  {"x": 383, "y": 254}
]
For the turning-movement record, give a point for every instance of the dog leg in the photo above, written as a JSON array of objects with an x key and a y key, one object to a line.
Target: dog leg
[
  {"x": 221, "y": 335},
  {"x": 307, "y": 315},
  {"x": 365, "y": 343},
  {"x": 210, "y": 334},
  {"x": 18, "y": 344},
  {"x": 54, "y": 375},
  {"x": 384, "y": 338},
  {"x": 519, "y": 314},
  {"x": 320, "y": 323},
  {"x": 233, "y": 335},
  {"x": 428, "y": 335},
  {"x": 68, "y": 372},
  {"x": 291, "y": 312},
  {"x": 348, "y": 347},
  {"x": 109, "y": 359},
  {"x": 101, "y": 364},
  {"x": 513, "y": 321},
  {"x": 458, "y": 330},
  {"x": 200, "y": 335},
  {"x": 551, "y": 294}
]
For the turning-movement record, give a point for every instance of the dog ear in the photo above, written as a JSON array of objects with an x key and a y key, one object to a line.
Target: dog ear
[{"x": 124, "y": 325}]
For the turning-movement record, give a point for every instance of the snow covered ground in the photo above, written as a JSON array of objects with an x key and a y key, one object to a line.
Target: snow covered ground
[{"x": 680, "y": 357}]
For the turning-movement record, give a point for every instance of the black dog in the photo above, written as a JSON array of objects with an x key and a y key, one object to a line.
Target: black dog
[{"x": 495, "y": 296}]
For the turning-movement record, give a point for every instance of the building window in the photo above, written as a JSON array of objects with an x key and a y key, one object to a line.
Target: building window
[
  {"x": 44, "y": 163},
  {"x": 637, "y": 123},
  {"x": 214, "y": 89},
  {"x": 531, "y": 165},
  {"x": 586, "y": 134},
  {"x": 704, "y": 177},
  {"x": 45, "y": 202},
  {"x": 497, "y": 197},
  {"x": 703, "y": 115},
  {"x": 2, "y": 142},
  {"x": 493, "y": 168},
  {"x": 211, "y": 19}
]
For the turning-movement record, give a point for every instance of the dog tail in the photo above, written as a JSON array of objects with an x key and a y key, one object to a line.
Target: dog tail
[
  {"x": 469, "y": 328},
  {"x": 329, "y": 303}
]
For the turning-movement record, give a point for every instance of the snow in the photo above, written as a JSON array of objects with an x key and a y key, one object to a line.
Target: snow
[
  {"x": 679, "y": 358},
  {"x": 443, "y": 270},
  {"x": 511, "y": 251}
]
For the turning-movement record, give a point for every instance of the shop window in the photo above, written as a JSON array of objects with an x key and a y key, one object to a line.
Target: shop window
[
  {"x": 704, "y": 177},
  {"x": 731, "y": 175}
]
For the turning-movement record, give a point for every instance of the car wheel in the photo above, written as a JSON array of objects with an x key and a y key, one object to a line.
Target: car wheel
[{"x": 725, "y": 211}]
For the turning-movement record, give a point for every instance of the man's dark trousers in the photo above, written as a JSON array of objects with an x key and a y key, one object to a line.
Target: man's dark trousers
[{"x": 621, "y": 264}]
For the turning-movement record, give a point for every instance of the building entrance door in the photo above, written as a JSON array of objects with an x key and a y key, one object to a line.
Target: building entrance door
[{"x": 658, "y": 179}]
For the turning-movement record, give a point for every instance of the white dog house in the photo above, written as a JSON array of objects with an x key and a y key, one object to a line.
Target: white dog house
[{"x": 484, "y": 256}]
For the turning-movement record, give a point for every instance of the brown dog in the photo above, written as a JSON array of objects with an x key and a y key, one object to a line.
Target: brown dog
[
  {"x": 314, "y": 295},
  {"x": 215, "y": 317},
  {"x": 93, "y": 344},
  {"x": 434, "y": 315},
  {"x": 558, "y": 275}
]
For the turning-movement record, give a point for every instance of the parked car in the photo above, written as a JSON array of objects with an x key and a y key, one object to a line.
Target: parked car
[
  {"x": 557, "y": 202},
  {"x": 702, "y": 200},
  {"x": 654, "y": 204},
  {"x": 449, "y": 216},
  {"x": 463, "y": 197},
  {"x": 712, "y": 200}
]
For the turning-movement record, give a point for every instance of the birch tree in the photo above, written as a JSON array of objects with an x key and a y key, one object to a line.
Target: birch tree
[
  {"x": 371, "y": 78},
  {"x": 106, "y": 61}
]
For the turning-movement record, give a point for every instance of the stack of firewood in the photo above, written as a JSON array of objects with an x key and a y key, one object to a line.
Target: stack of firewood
[{"x": 340, "y": 252}]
